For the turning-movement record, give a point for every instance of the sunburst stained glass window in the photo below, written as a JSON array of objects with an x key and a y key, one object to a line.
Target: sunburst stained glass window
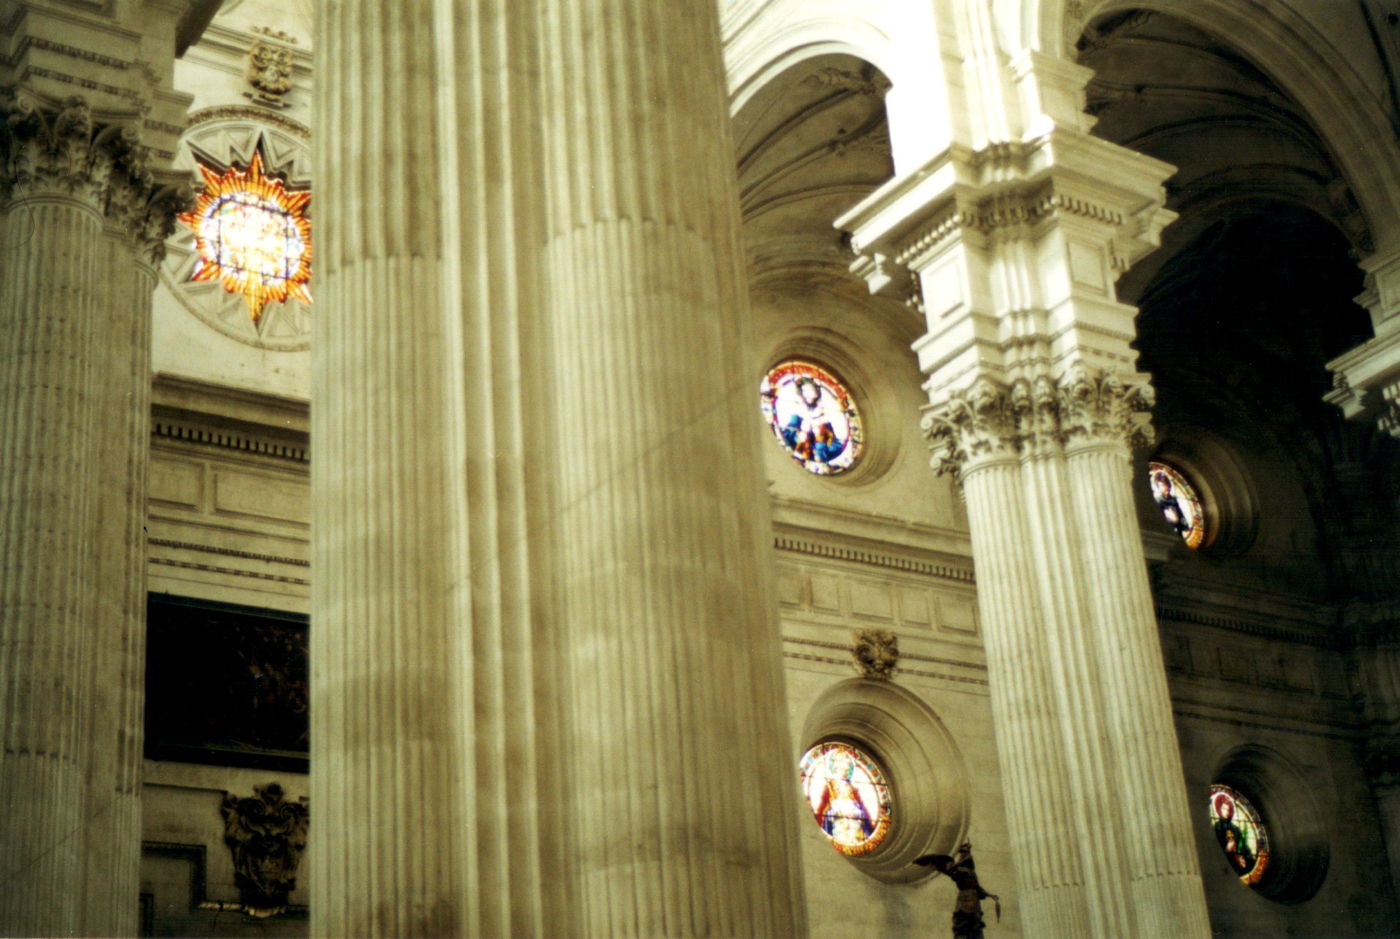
[
  {"x": 848, "y": 796},
  {"x": 1241, "y": 833},
  {"x": 252, "y": 234},
  {"x": 1177, "y": 499},
  {"x": 812, "y": 415}
]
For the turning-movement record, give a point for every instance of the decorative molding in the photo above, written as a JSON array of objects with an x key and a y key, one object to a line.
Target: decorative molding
[
  {"x": 1246, "y": 627},
  {"x": 277, "y": 34},
  {"x": 874, "y": 84},
  {"x": 875, "y": 652},
  {"x": 871, "y": 558},
  {"x": 244, "y": 112},
  {"x": 1182, "y": 710},
  {"x": 48, "y": 45},
  {"x": 231, "y": 571},
  {"x": 227, "y": 552},
  {"x": 228, "y": 440},
  {"x": 906, "y": 656}
]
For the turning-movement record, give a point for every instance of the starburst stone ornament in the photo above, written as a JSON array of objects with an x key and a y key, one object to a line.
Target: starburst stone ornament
[{"x": 253, "y": 235}]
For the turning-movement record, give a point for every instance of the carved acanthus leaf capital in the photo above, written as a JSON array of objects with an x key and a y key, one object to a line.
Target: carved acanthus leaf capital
[
  {"x": 975, "y": 423},
  {"x": 60, "y": 149},
  {"x": 1099, "y": 406},
  {"x": 1036, "y": 417}
]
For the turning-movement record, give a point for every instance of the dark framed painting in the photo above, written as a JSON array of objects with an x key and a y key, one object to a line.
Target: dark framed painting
[{"x": 226, "y": 684}]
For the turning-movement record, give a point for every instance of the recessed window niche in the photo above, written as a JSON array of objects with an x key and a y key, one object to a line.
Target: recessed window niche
[
  {"x": 892, "y": 771},
  {"x": 1266, "y": 825},
  {"x": 1202, "y": 491}
]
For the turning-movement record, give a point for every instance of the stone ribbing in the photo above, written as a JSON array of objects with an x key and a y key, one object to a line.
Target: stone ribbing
[
  {"x": 47, "y": 316},
  {"x": 670, "y": 639},
  {"x": 1050, "y": 875},
  {"x": 1166, "y": 889},
  {"x": 386, "y": 737}
]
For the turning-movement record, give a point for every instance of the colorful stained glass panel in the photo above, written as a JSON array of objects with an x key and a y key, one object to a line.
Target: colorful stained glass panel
[
  {"x": 1177, "y": 499},
  {"x": 812, "y": 415},
  {"x": 253, "y": 235},
  {"x": 848, "y": 796},
  {"x": 1241, "y": 833}
]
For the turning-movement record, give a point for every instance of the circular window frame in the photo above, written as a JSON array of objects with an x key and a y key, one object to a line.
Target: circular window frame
[
  {"x": 826, "y": 350},
  {"x": 927, "y": 776},
  {"x": 1228, "y": 498},
  {"x": 1300, "y": 852}
]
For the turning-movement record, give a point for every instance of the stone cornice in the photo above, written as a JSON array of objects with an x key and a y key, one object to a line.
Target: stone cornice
[{"x": 1014, "y": 183}]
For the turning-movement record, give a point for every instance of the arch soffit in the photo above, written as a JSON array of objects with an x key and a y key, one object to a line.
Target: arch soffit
[
  {"x": 1286, "y": 48},
  {"x": 750, "y": 71}
]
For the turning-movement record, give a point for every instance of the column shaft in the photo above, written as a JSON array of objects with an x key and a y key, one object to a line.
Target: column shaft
[
  {"x": 387, "y": 751},
  {"x": 1062, "y": 586},
  {"x": 671, "y": 639},
  {"x": 1166, "y": 889},
  {"x": 502, "y": 452},
  {"x": 1039, "y": 799},
  {"x": 47, "y": 311}
]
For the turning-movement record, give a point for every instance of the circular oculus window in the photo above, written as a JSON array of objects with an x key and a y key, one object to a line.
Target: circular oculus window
[
  {"x": 812, "y": 415},
  {"x": 1241, "y": 833},
  {"x": 848, "y": 795},
  {"x": 1178, "y": 501}
]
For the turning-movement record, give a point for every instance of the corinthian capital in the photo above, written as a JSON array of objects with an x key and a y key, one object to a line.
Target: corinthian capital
[
  {"x": 1099, "y": 407},
  {"x": 975, "y": 423},
  {"x": 60, "y": 149}
]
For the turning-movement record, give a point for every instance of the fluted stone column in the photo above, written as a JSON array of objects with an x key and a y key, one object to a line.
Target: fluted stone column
[
  {"x": 1049, "y": 868},
  {"x": 387, "y": 757},
  {"x": 1035, "y": 404},
  {"x": 81, "y": 213},
  {"x": 681, "y": 796}
]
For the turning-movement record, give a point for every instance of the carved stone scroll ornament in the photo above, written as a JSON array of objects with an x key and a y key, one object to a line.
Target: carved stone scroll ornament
[
  {"x": 876, "y": 652},
  {"x": 267, "y": 836},
  {"x": 269, "y": 72}
]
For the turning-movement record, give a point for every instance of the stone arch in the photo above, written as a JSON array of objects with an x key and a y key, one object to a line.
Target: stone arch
[{"x": 1282, "y": 45}]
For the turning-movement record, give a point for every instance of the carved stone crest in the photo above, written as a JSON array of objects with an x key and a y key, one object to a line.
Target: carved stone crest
[
  {"x": 269, "y": 72},
  {"x": 876, "y": 651},
  {"x": 267, "y": 836}
]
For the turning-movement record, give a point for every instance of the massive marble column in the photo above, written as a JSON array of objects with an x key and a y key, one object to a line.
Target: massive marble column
[
  {"x": 1035, "y": 404},
  {"x": 680, "y": 787},
  {"x": 83, "y": 218}
]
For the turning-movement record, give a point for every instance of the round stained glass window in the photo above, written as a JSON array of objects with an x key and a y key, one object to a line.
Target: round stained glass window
[
  {"x": 1179, "y": 503},
  {"x": 1241, "y": 834},
  {"x": 848, "y": 796},
  {"x": 812, "y": 415}
]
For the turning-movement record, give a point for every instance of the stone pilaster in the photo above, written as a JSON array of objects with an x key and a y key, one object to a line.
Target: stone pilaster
[
  {"x": 667, "y": 611},
  {"x": 73, "y": 370},
  {"x": 1034, "y": 403},
  {"x": 1366, "y": 380}
]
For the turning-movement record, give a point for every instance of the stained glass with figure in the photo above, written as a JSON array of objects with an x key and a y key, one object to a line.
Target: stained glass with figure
[
  {"x": 1240, "y": 832},
  {"x": 253, "y": 235},
  {"x": 1177, "y": 499},
  {"x": 848, "y": 796},
  {"x": 812, "y": 415}
]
